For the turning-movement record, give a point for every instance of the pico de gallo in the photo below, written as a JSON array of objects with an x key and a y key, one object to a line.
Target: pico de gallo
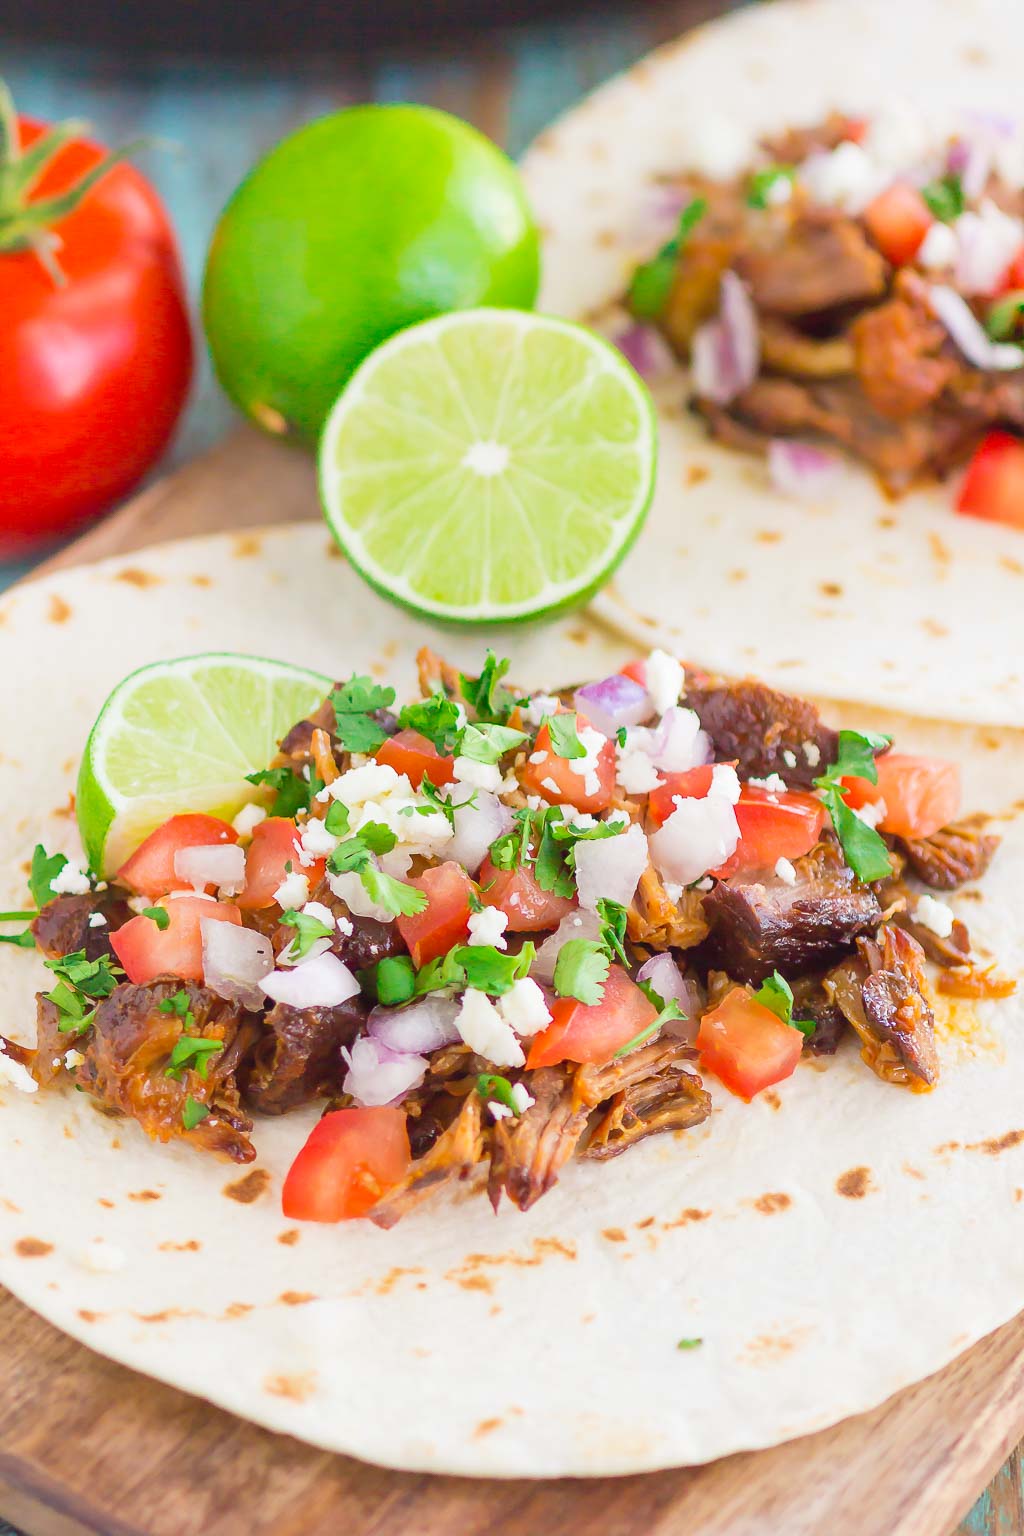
[
  {"x": 493, "y": 928},
  {"x": 859, "y": 284}
]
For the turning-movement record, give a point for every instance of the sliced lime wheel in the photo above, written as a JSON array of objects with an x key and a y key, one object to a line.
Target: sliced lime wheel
[
  {"x": 489, "y": 466},
  {"x": 181, "y": 736}
]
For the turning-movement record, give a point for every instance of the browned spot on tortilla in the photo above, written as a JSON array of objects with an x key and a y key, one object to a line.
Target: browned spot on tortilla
[
  {"x": 192, "y": 1246},
  {"x": 475, "y": 1283},
  {"x": 648, "y": 1221},
  {"x": 696, "y": 474},
  {"x": 486, "y": 1427},
  {"x": 885, "y": 522},
  {"x": 830, "y": 589},
  {"x": 295, "y": 1388},
  {"x": 768, "y": 536},
  {"x": 996, "y": 1144},
  {"x": 68, "y": 766},
  {"x": 245, "y": 545},
  {"x": 771, "y": 1098},
  {"x": 201, "y": 581},
  {"x": 614, "y": 1234},
  {"x": 1015, "y": 567},
  {"x": 67, "y": 810},
  {"x": 912, "y": 1172},
  {"x": 739, "y": 574},
  {"x": 167, "y": 1315},
  {"x": 940, "y": 549},
  {"x": 134, "y": 576},
  {"x": 59, "y": 611},
  {"x": 32, "y": 1248},
  {"x": 1018, "y": 1195},
  {"x": 144, "y": 1194},
  {"x": 773, "y": 1201},
  {"x": 606, "y": 238},
  {"x": 333, "y": 552},
  {"x": 385, "y": 1286},
  {"x": 296, "y": 1298},
  {"x": 9, "y": 1205},
  {"x": 90, "y": 1317},
  {"x": 933, "y": 627},
  {"x": 237, "y": 1309},
  {"x": 108, "y": 1205},
  {"x": 248, "y": 1188},
  {"x": 686, "y": 1218},
  {"x": 854, "y": 1184},
  {"x": 495, "y": 1311},
  {"x": 543, "y": 1247},
  {"x": 991, "y": 743},
  {"x": 289, "y": 1237},
  {"x": 767, "y": 1347},
  {"x": 578, "y": 636},
  {"x": 115, "y": 1142},
  {"x": 976, "y": 55}
]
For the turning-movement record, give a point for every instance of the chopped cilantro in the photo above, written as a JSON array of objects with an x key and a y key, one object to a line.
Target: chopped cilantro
[
  {"x": 158, "y": 915},
  {"x": 307, "y": 930},
  {"x": 353, "y": 856},
  {"x": 393, "y": 895},
  {"x": 1006, "y": 316},
  {"x": 777, "y": 994},
  {"x": 377, "y": 837},
  {"x": 337, "y": 821},
  {"x": 555, "y": 857},
  {"x": 475, "y": 904},
  {"x": 622, "y": 735},
  {"x": 24, "y": 939},
  {"x": 652, "y": 282},
  {"x": 669, "y": 1011},
  {"x": 438, "y": 802},
  {"x": 180, "y": 1003},
  {"x": 613, "y": 928},
  {"x": 193, "y": 1113},
  {"x": 45, "y": 869},
  {"x": 396, "y": 980},
  {"x": 490, "y": 1086},
  {"x": 864, "y": 849},
  {"x": 192, "y": 1051},
  {"x": 437, "y": 718},
  {"x": 689, "y": 1344},
  {"x": 80, "y": 980},
  {"x": 355, "y": 704},
  {"x": 552, "y": 869},
  {"x": 292, "y": 792},
  {"x": 485, "y": 694},
  {"x": 581, "y": 970},
  {"x": 762, "y": 183},
  {"x": 489, "y": 743},
  {"x": 564, "y": 737},
  {"x": 856, "y": 756},
  {"x": 945, "y": 197},
  {"x": 479, "y": 966}
]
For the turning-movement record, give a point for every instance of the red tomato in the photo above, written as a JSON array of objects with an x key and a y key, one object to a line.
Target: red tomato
[
  {"x": 921, "y": 794},
  {"x": 351, "y": 1159},
  {"x": 746, "y": 1045},
  {"x": 93, "y": 371},
  {"x": 529, "y": 908},
  {"x": 413, "y": 754},
  {"x": 581, "y": 1033},
  {"x": 994, "y": 485},
  {"x": 570, "y": 787},
  {"x": 691, "y": 785},
  {"x": 444, "y": 921},
  {"x": 150, "y": 870},
  {"x": 774, "y": 826},
  {"x": 855, "y": 128},
  {"x": 898, "y": 220},
  {"x": 1014, "y": 278},
  {"x": 147, "y": 951},
  {"x": 274, "y": 844},
  {"x": 637, "y": 670}
]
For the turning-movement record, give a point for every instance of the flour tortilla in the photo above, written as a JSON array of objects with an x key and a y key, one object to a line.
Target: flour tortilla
[
  {"x": 518, "y": 1345},
  {"x": 927, "y": 615}
]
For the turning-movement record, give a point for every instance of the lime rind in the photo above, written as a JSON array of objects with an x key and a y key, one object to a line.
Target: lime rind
[{"x": 538, "y": 533}]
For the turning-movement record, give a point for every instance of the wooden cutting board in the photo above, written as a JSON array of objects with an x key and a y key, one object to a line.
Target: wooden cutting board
[{"x": 87, "y": 1446}]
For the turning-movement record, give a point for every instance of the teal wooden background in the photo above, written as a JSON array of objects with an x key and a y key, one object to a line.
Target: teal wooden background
[{"x": 222, "y": 115}]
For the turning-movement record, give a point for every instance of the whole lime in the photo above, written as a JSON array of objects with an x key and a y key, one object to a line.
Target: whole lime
[{"x": 350, "y": 229}]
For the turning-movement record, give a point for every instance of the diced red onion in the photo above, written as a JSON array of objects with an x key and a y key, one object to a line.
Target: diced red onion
[
  {"x": 377, "y": 1075},
  {"x": 971, "y": 160},
  {"x": 726, "y": 351},
  {"x": 799, "y": 469},
  {"x": 645, "y": 349},
  {"x": 679, "y": 743},
  {"x": 967, "y": 334},
  {"x": 610, "y": 867},
  {"x": 987, "y": 243},
  {"x": 668, "y": 981},
  {"x": 613, "y": 702},
  {"x": 698, "y": 836},
  {"x": 322, "y": 982},
  {"x": 220, "y": 864},
  {"x": 422, "y": 1027},
  {"x": 235, "y": 961},
  {"x": 477, "y": 826},
  {"x": 576, "y": 925}
]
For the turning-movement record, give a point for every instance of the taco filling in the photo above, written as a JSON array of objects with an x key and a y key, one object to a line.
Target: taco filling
[
  {"x": 860, "y": 285},
  {"x": 494, "y": 930}
]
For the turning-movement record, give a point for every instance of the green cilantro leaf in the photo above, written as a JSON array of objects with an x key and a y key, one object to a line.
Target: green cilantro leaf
[
  {"x": 776, "y": 994},
  {"x": 79, "y": 980},
  {"x": 652, "y": 282},
  {"x": 485, "y": 694},
  {"x": 22, "y": 940},
  {"x": 855, "y": 758},
  {"x": 864, "y": 849},
  {"x": 613, "y": 928},
  {"x": 393, "y": 895},
  {"x": 307, "y": 930},
  {"x": 489, "y": 743},
  {"x": 437, "y": 718},
  {"x": 355, "y": 703},
  {"x": 1006, "y": 315},
  {"x": 490, "y": 970},
  {"x": 759, "y": 192},
  {"x": 945, "y": 197},
  {"x": 689, "y": 1344},
  {"x": 193, "y": 1113},
  {"x": 192, "y": 1051},
  {"x": 349, "y": 857},
  {"x": 491, "y": 1086},
  {"x": 377, "y": 837},
  {"x": 622, "y": 735},
  {"x": 292, "y": 792},
  {"x": 669, "y": 1011},
  {"x": 513, "y": 849},
  {"x": 551, "y": 866},
  {"x": 396, "y": 980},
  {"x": 180, "y": 1003},
  {"x": 581, "y": 971},
  {"x": 158, "y": 915},
  {"x": 442, "y": 974},
  {"x": 565, "y": 741},
  {"x": 337, "y": 819},
  {"x": 45, "y": 869}
]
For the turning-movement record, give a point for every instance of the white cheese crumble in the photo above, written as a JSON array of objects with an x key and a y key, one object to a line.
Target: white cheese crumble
[
  {"x": 345, "y": 927},
  {"x": 789, "y": 758},
  {"x": 486, "y": 1032},
  {"x": 293, "y": 891},
  {"x": 785, "y": 871},
  {"x": 674, "y": 892},
  {"x": 938, "y": 249},
  {"x": 525, "y": 1007},
  {"x": 725, "y": 784},
  {"x": 478, "y": 775},
  {"x": 488, "y": 927},
  {"x": 635, "y": 772},
  {"x": 73, "y": 1059},
  {"x": 988, "y": 241},
  {"x": 541, "y": 704},
  {"x": 14, "y": 1075},
  {"x": 101, "y": 1258},
  {"x": 498, "y": 1111},
  {"x": 871, "y": 813},
  {"x": 366, "y": 783},
  {"x": 538, "y": 757},
  {"x": 248, "y": 819},
  {"x": 845, "y": 177},
  {"x": 812, "y": 752},
  {"x": 349, "y": 888},
  {"x": 706, "y": 884},
  {"x": 320, "y": 912},
  {"x": 315, "y": 842},
  {"x": 934, "y": 914},
  {"x": 550, "y": 785},
  {"x": 97, "y": 920},
  {"x": 774, "y": 782},
  {"x": 524, "y": 1099},
  {"x": 663, "y": 677},
  {"x": 71, "y": 881},
  {"x": 586, "y": 767}
]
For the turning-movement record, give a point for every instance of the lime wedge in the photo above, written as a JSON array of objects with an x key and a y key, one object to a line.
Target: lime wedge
[
  {"x": 181, "y": 736},
  {"x": 489, "y": 465}
]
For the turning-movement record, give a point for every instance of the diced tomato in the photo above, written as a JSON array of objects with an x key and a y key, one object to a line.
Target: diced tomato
[
  {"x": 529, "y": 908},
  {"x": 569, "y": 786},
  {"x": 1014, "y": 277},
  {"x": 746, "y": 1044},
  {"x": 146, "y": 950},
  {"x": 413, "y": 754},
  {"x": 691, "y": 785},
  {"x": 444, "y": 921},
  {"x": 637, "y": 670},
  {"x": 898, "y": 220},
  {"x": 921, "y": 794},
  {"x": 150, "y": 870},
  {"x": 773, "y": 826},
  {"x": 274, "y": 844},
  {"x": 351, "y": 1159},
  {"x": 855, "y": 129},
  {"x": 993, "y": 488},
  {"x": 579, "y": 1032}
]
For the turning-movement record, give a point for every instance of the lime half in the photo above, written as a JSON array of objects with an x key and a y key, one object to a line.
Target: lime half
[
  {"x": 181, "y": 736},
  {"x": 489, "y": 465}
]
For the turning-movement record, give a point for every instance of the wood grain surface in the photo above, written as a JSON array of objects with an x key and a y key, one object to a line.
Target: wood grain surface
[{"x": 86, "y": 1446}]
